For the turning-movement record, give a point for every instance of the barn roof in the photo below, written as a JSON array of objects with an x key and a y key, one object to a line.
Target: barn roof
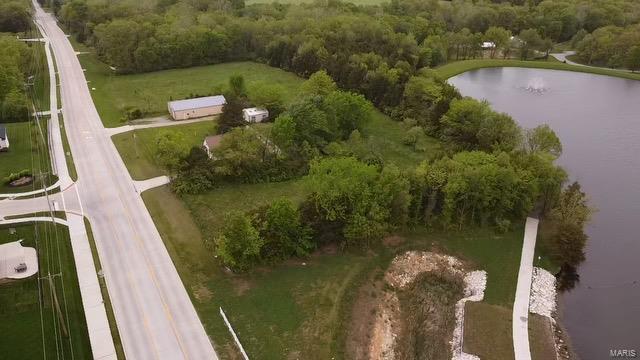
[{"x": 197, "y": 103}]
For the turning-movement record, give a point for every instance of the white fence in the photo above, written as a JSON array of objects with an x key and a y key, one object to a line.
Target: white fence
[{"x": 233, "y": 333}]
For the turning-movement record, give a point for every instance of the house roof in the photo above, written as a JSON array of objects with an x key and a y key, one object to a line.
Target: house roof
[
  {"x": 213, "y": 141},
  {"x": 3, "y": 132},
  {"x": 197, "y": 103},
  {"x": 254, "y": 111}
]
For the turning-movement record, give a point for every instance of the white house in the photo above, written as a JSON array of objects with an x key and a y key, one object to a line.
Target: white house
[
  {"x": 195, "y": 108},
  {"x": 254, "y": 115},
  {"x": 210, "y": 143},
  {"x": 4, "y": 139}
]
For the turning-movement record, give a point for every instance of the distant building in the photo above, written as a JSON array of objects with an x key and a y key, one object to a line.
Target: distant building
[
  {"x": 488, "y": 45},
  {"x": 195, "y": 108},
  {"x": 210, "y": 143},
  {"x": 4, "y": 139},
  {"x": 254, "y": 115}
]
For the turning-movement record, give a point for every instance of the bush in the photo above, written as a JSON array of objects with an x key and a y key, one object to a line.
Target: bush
[
  {"x": 284, "y": 233},
  {"x": 16, "y": 176}
]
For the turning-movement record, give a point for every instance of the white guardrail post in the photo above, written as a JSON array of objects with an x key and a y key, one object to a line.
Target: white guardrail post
[{"x": 233, "y": 333}]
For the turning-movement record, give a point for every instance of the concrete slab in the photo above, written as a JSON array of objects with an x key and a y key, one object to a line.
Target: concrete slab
[
  {"x": 523, "y": 292},
  {"x": 12, "y": 255}
]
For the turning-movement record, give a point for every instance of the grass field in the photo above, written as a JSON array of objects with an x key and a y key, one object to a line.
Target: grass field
[
  {"x": 488, "y": 333},
  {"x": 150, "y": 92},
  {"x": 458, "y": 67},
  {"x": 137, "y": 147},
  {"x": 41, "y": 77},
  {"x": 27, "y": 151},
  {"x": 71, "y": 166},
  {"x": 294, "y": 309},
  {"x": 30, "y": 328}
]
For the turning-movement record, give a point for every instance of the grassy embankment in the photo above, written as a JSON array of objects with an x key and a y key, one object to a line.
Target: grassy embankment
[
  {"x": 457, "y": 67},
  {"x": 289, "y": 309},
  {"x": 31, "y": 328}
]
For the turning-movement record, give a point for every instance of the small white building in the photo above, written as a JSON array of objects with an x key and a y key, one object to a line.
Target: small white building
[
  {"x": 195, "y": 108},
  {"x": 210, "y": 143},
  {"x": 4, "y": 139},
  {"x": 486, "y": 45},
  {"x": 254, "y": 115}
]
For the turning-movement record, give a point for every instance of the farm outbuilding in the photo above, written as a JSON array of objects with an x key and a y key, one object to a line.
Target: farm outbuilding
[
  {"x": 254, "y": 115},
  {"x": 197, "y": 107},
  {"x": 4, "y": 139}
]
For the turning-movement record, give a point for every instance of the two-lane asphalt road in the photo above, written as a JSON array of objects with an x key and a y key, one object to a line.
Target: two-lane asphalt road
[{"x": 154, "y": 314}]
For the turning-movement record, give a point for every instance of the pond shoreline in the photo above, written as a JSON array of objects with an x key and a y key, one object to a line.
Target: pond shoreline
[
  {"x": 600, "y": 154},
  {"x": 458, "y": 67}
]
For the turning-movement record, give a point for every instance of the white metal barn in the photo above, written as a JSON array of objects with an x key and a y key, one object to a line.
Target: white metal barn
[
  {"x": 195, "y": 108},
  {"x": 254, "y": 115}
]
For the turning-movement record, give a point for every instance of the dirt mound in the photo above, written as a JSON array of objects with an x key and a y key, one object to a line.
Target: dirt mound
[{"x": 407, "y": 312}]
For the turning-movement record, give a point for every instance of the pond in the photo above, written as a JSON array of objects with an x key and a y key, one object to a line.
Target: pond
[{"x": 598, "y": 121}]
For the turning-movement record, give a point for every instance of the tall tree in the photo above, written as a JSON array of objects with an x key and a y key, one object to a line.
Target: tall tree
[
  {"x": 239, "y": 244},
  {"x": 499, "y": 36},
  {"x": 633, "y": 59},
  {"x": 542, "y": 138},
  {"x": 319, "y": 83}
]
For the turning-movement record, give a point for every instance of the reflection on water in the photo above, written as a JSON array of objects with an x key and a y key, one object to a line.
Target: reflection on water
[{"x": 598, "y": 120}]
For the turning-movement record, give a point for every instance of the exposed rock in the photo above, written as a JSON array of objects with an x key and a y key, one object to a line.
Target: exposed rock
[
  {"x": 475, "y": 282},
  {"x": 405, "y": 268},
  {"x": 543, "y": 293}
]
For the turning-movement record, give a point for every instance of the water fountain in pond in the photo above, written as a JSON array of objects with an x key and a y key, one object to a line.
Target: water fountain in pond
[{"x": 536, "y": 86}]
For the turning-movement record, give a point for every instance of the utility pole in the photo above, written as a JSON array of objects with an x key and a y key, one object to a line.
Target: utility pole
[{"x": 56, "y": 303}]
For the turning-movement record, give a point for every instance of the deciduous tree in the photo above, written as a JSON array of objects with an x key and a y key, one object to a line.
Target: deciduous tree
[{"x": 239, "y": 243}]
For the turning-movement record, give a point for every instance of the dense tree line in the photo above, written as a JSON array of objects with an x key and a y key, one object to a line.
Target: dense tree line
[
  {"x": 610, "y": 46},
  {"x": 373, "y": 50},
  {"x": 15, "y": 60},
  {"x": 15, "y": 16}
]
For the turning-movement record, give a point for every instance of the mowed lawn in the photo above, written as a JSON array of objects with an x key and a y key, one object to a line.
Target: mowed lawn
[
  {"x": 27, "y": 151},
  {"x": 32, "y": 329},
  {"x": 137, "y": 148},
  {"x": 488, "y": 333},
  {"x": 150, "y": 92},
  {"x": 291, "y": 309}
]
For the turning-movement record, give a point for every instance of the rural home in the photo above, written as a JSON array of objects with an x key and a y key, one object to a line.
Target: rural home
[
  {"x": 210, "y": 143},
  {"x": 4, "y": 139},
  {"x": 254, "y": 115},
  {"x": 195, "y": 108}
]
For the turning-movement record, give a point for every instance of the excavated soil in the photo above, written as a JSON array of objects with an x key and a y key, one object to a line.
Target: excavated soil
[{"x": 408, "y": 311}]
